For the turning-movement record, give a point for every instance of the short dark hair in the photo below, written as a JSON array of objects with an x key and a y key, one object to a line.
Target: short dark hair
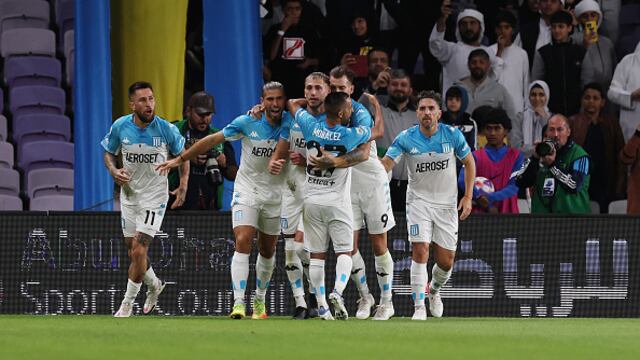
[
  {"x": 335, "y": 102},
  {"x": 318, "y": 75},
  {"x": 453, "y": 92},
  {"x": 272, "y": 85},
  {"x": 562, "y": 17},
  {"x": 508, "y": 17},
  {"x": 399, "y": 74},
  {"x": 340, "y": 71},
  {"x": 286, "y": 2},
  {"x": 496, "y": 116},
  {"x": 479, "y": 53},
  {"x": 138, "y": 85},
  {"x": 378, "y": 49},
  {"x": 594, "y": 86},
  {"x": 429, "y": 94}
]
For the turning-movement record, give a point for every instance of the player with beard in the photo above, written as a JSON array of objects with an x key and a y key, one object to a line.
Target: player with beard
[
  {"x": 145, "y": 140},
  {"x": 257, "y": 194},
  {"x": 453, "y": 55},
  {"x": 431, "y": 149}
]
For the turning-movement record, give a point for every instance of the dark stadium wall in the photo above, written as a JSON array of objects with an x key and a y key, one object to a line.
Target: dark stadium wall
[
  {"x": 233, "y": 62},
  {"x": 92, "y": 104}
]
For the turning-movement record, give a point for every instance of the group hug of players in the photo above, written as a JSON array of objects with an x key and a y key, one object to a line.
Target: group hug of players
[{"x": 309, "y": 171}]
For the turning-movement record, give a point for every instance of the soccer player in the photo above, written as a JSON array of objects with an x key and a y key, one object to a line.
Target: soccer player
[
  {"x": 145, "y": 140},
  {"x": 257, "y": 194},
  {"x": 371, "y": 204},
  {"x": 432, "y": 193},
  {"x": 327, "y": 213}
]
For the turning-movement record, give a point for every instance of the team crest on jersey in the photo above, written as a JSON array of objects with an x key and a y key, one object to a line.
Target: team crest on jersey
[
  {"x": 446, "y": 147},
  {"x": 157, "y": 141},
  {"x": 414, "y": 230},
  {"x": 359, "y": 131},
  {"x": 284, "y": 223}
]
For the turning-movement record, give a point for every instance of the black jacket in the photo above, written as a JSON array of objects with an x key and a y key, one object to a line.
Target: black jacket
[{"x": 562, "y": 67}]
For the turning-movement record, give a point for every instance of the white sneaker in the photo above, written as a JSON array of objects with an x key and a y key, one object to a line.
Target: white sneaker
[
  {"x": 338, "y": 306},
  {"x": 364, "y": 307},
  {"x": 420, "y": 313},
  {"x": 126, "y": 309},
  {"x": 384, "y": 311},
  {"x": 324, "y": 313},
  {"x": 435, "y": 304},
  {"x": 152, "y": 299}
]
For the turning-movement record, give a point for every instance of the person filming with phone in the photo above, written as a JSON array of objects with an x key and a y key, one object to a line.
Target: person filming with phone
[{"x": 558, "y": 171}]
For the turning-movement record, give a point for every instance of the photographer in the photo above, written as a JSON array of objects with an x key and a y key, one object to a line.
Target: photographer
[
  {"x": 207, "y": 170},
  {"x": 558, "y": 172}
]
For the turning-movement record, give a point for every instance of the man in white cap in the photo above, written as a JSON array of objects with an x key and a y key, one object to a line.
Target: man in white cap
[{"x": 453, "y": 56}]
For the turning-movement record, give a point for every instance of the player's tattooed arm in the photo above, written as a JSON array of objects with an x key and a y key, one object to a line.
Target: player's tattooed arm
[
  {"x": 120, "y": 176},
  {"x": 469, "y": 176},
  {"x": 353, "y": 157},
  {"x": 181, "y": 191},
  {"x": 377, "y": 131},
  {"x": 203, "y": 145}
]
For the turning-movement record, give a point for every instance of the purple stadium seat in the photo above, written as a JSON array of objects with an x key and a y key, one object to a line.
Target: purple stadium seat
[
  {"x": 10, "y": 203},
  {"x": 9, "y": 182},
  {"x": 43, "y": 182},
  {"x": 15, "y": 14},
  {"x": 52, "y": 203},
  {"x": 3, "y": 128},
  {"x": 32, "y": 70},
  {"x": 6, "y": 155},
  {"x": 16, "y": 42},
  {"x": 46, "y": 154},
  {"x": 37, "y": 99},
  {"x": 35, "y": 127}
]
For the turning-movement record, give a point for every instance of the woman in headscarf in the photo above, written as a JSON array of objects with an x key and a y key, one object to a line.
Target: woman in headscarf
[{"x": 528, "y": 125}]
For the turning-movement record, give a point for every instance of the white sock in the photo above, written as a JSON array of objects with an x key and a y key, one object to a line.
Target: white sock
[
  {"x": 384, "y": 271},
  {"x": 239, "y": 275},
  {"x": 439, "y": 277},
  {"x": 132, "y": 291},
  {"x": 264, "y": 269},
  {"x": 419, "y": 278},
  {"x": 293, "y": 266},
  {"x": 305, "y": 259},
  {"x": 359, "y": 274},
  {"x": 344, "y": 265},
  {"x": 150, "y": 279},
  {"x": 316, "y": 274}
]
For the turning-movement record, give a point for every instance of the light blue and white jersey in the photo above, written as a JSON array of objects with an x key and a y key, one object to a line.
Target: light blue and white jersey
[
  {"x": 369, "y": 172},
  {"x": 431, "y": 163},
  {"x": 330, "y": 186},
  {"x": 142, "y": 151},
  {"x": 259, "y": 139},
  {"x": 296, "y": 175}
]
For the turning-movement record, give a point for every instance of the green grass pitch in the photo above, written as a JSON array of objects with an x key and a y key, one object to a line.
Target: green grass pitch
[{"x": 176, "y": 338}]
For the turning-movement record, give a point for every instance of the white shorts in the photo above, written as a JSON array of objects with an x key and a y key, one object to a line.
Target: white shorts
[
  {"x": 373, "y": 206},
  {"x": 324, "y": 223},
  {"x": 291, "y": 213},
  {"x": 426, "y": 223},
  {"x": 145, "y": 218},
  {"x": 265, "y": 217}
]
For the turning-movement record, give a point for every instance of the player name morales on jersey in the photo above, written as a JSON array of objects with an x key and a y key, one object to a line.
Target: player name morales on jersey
[{"x": 431, "y": 163}]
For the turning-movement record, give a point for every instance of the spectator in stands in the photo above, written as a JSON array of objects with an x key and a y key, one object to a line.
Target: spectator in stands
[
  {"x": 457, "y": 102},
  {"x": 558, "y": 170},
  {"x": 538, "y": 34},
  {"x": 204, "y": 190},
  {"x": 399, "y": 114},
  {"x": 630, "y": 155},
  {"x": 377, "y": 77},
  {"x": 358, "y": 43},
  {"x": 528, "y": 13},
  {"x": 498, "y": 163},
  {"x": 601, "y": 137},
  {"x": 515, "y": 73},
  {"x": 625, "y": 91},
  {"x": 482, "y": 89},
  {"x": 528, "y": 125},
  {"x": 294, "y": 49},
  {"x": 559, "y": 64},
  {"x": 600, "y": 58},
  {"x": 453, "y": 56}
]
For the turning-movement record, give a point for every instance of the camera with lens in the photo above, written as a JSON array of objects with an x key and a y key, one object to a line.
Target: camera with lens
[
  {"x": 212, "y": 169},
  {"x": 546, "y": 147}
]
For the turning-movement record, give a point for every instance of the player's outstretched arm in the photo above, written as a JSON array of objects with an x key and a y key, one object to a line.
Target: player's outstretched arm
[
  {"x": 378, "y": 125},
  {"x": 295, "y": 104},
  {"x": 469, "y": 176},
  {"x": 353, "y": 157},
  {"x": 196, "y": 149},
  {"x": 181, "y": 191}
]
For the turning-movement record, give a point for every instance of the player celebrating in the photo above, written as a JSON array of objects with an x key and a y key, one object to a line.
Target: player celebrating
[
  {"x": 431, "y": 197},
  {"x": 257, "y": 194},
  {"x": 145, "y": 141},
  {"x": 371, "y": 203}
]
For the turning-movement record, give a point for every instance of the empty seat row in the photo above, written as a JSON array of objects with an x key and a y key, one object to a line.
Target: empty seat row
[
  {"x": 43, "y": 203},
  {"x": 42, "y": 182}
]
